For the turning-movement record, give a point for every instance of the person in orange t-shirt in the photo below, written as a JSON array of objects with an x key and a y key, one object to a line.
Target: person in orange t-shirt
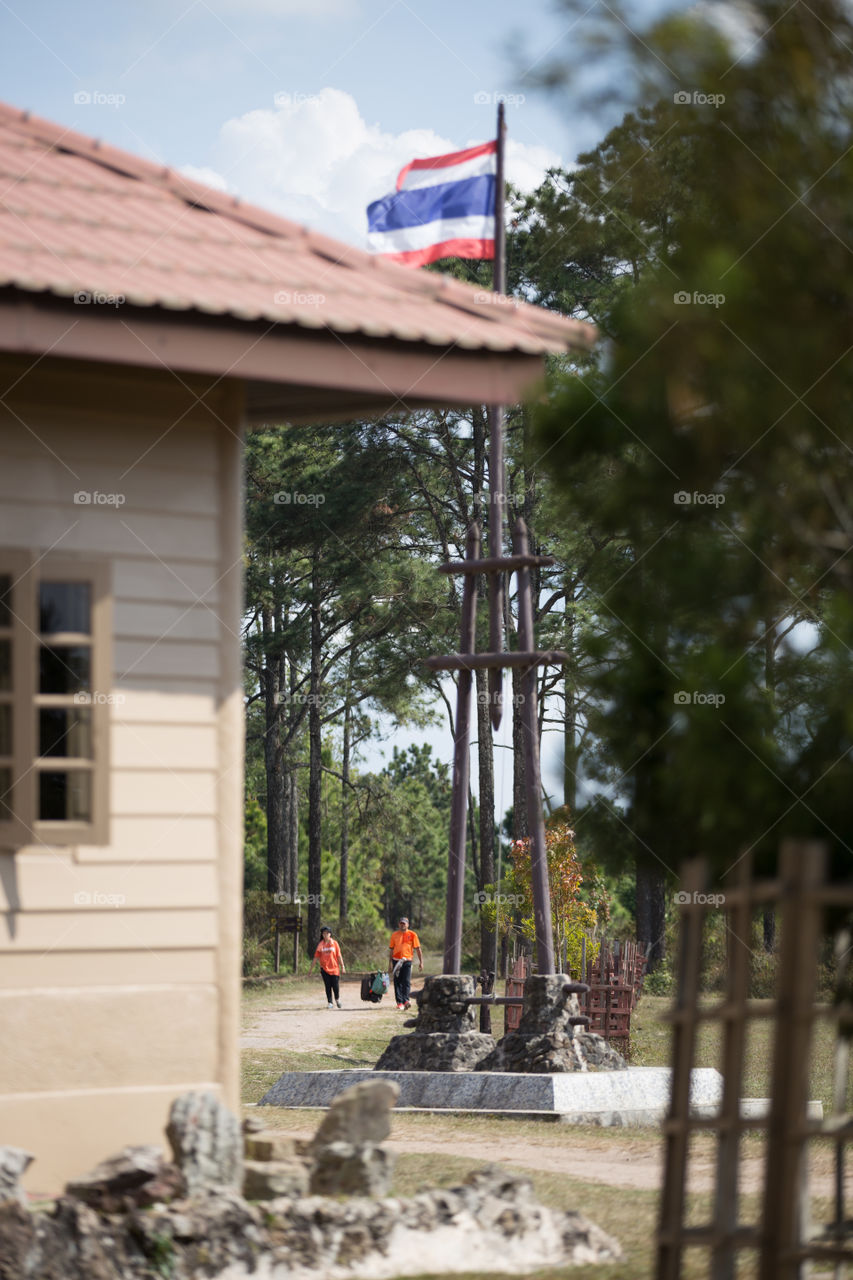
[
  {"x": 332, "y": 965},
  {"x": 402, "y": 946}
]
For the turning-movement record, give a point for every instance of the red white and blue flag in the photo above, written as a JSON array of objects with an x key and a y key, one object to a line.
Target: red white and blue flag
[{"x": 444, "y": 207}]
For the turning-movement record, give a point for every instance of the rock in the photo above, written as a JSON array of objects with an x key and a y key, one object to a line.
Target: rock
[
  {"x": 207, "y": 1142},
  {"x": 545, "y": 1041},
  {"x": 490, "y": 1224},
  {"x": 17, "y": 1240},
  {"x": 546, "y": 1009},
  {"x": 137, "y": 1175},
  {"x": 267, "y": 1179},
  {"x": 350, "y": 1169},
  {"x": 444, "y": 1035},
  {"x": 14, "y": 1162},
  {"x": 360, "y": 1114},
  {"x": 275, "y": 1146},
  {"x": 597, "y": 1052},
  {"x": 436, "y": 1051}
]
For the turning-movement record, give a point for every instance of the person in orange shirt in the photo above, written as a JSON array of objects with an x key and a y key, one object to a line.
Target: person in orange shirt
[
  {"x": 332, "y": 965},
  {"x": 402, "y": 946}
]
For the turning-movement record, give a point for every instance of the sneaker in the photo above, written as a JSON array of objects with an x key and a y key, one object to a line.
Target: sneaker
[
  {"x": 339, "y": 1004},
  {"x": 400, "y": 1006},
  {"x": 407, "y": 1005},
  {"x": 331, "y": 1006}
]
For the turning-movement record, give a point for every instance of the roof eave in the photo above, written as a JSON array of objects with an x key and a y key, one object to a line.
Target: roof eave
[{"x": 290, "y": 373}]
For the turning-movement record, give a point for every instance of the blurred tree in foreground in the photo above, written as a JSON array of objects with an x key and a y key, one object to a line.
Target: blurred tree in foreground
[{"x": 722, "y": 420}]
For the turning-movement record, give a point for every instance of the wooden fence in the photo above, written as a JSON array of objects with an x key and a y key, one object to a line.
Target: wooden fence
[
  {"x": 615, "y": 981},
  {"x": 780, "y": 1237}
]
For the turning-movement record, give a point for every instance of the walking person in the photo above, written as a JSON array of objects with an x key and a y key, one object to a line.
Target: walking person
[
  {"x": 332, "y": 965},
  {"x": 403, "y": 944}
]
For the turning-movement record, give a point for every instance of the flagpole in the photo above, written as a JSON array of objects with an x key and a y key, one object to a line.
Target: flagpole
[{"x": 497, "y": 497}]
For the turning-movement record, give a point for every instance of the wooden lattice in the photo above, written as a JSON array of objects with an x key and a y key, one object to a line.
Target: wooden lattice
[
  {"x": 783, "y": 1240},
  {"x": 515, "y": 989}
]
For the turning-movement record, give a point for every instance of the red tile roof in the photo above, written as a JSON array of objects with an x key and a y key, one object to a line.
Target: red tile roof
[{"x": 80, "y": 216}]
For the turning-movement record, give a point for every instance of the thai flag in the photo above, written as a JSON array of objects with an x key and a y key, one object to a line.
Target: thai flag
[{"x": 444, "y": 207}]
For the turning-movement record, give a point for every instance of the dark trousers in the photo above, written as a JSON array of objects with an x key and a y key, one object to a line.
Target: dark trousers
[
  {"x": 403, "y": 981},
  {"x": 332, "y": 983}
]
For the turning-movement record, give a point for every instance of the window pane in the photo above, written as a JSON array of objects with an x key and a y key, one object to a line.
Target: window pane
[
  {"x": 64, "y": 669},
  {"x": 5, "y": 600},
  {"x": 5, "y": 729},
  {"x": 65, "y": 731},
  {"x": 65, "y": 797},
  {"x": 65, "y": 606},
  {"x": 5, "y": 665},
  {"x": 5, "y": 793}
]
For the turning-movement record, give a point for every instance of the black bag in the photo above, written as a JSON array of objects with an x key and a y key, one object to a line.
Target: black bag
[{"x": 367, "y": 992}]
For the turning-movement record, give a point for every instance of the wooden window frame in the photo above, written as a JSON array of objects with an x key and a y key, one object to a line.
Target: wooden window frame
[{"x": 26, "y": 827}]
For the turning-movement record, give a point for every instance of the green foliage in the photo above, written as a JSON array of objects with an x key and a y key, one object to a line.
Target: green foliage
[
  {"x": 580, "y": 900},
  {"x": 254, "y": 845},
  {"x": 722, "y": 415}
]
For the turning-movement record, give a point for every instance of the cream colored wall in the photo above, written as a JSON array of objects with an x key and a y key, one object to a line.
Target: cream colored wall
[{"x": 108, "y": 1012}]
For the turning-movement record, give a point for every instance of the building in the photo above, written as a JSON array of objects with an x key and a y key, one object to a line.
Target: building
[{"x": 145, "y": 323}]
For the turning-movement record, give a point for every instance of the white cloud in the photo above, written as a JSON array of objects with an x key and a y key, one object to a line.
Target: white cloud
[
  {"x": 313, "y": 158},
  {"x": 209, "y": 177}
]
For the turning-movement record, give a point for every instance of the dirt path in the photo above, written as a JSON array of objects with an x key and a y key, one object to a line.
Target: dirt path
[
  {"x": 623, "y": 1158},
  {"x": 302, "y": 1021}
]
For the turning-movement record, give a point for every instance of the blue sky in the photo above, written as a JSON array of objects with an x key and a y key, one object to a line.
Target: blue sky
[{"x": 306, "y": 106}]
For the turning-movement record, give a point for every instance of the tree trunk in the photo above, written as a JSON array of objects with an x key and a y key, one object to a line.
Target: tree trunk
[
  {"x": 651, "y": 912},
  {"x": 769, "y": 923},
  {"x": 291, "y": 829},
  {"x": 485, "y": 755},
  {"x": 344, "y": 893},
  {"x": 519, "y": 793},
  {"x": 315, "y": 774},
  {"x": 570, "y": 708},
  {"x": 769, "y": 915},
  {"x": 273, "y": 764}
]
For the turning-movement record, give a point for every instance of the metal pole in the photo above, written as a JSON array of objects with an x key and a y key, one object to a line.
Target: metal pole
[
  {"x": 497, "y": 496},
  {"x": 459, "y": 807},
  {"x": 532, "y": 778}
]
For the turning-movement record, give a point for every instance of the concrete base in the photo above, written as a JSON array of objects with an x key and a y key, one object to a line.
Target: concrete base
[{"x": 637, "y": 1096}]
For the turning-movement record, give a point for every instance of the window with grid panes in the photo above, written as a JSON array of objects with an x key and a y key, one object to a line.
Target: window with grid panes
[{"x": 54, "y": 672}]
